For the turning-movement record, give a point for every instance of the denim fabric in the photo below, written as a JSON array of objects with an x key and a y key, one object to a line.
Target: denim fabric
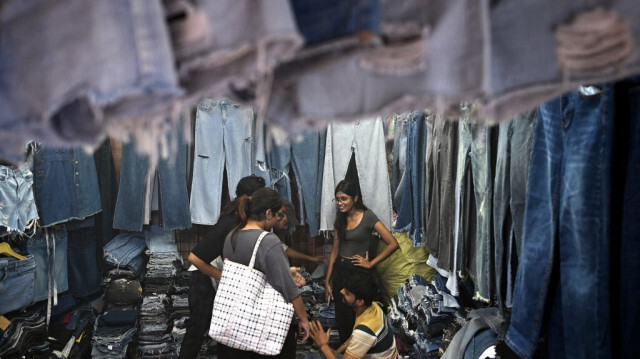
[
  {"x": 66, "y": 185},
  {"x": 480, "y": 342},
  {"x": 171, "y": 172},
  {"x": 124, "y": 248},
  {"x": 326, "y": 20},
  {"x": 442, "y": 140},
  {"x": 25, "y": 331},
  {"x": 566, "y": 229},
  {"x": 16, "y": 283},
  {"x": 18, "y": 211},
  {"x": 308, "y": 162},
  {"x": 84, "y": 274},
  {"x": 399, "y": 160},
  {"x": 107, "y": 185},
  {"x": 365, "y": 139},
  {"x": 72, "y": 95},
  {"x": 413, "y": 207},
  {"x": 279, "y": 161},
  {"x": 512, "y": 171},
  {"x": 159, "y": 240},
  {"x": 475, "y": 172},
  {"x": 49, "y": 247},
  {"x": 223, "y": 137}
]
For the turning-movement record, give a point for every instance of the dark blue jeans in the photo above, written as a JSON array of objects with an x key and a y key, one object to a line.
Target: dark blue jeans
[{"x": 566, "y": 230}]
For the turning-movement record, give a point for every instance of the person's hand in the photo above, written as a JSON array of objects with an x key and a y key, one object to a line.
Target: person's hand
[
  {"x": 297, "y": 277},
  {"x": 319, "y": 336},
  {"x": 328, "y": 293},
  {"x": 303, "y": 327},
  {"x": 361, "y": 261},
  {"x": 318, "y": 259}
]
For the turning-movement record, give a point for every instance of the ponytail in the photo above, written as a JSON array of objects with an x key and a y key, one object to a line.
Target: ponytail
[{"x": 242, "y": 213}]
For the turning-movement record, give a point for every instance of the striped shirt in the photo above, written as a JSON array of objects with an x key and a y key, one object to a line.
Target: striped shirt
[{"x": 372, "y": 338}]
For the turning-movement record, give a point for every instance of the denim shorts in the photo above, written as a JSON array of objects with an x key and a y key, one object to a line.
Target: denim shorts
[
  {"x": 16, "y": 190},
  {"x": 16, "y": 283}
]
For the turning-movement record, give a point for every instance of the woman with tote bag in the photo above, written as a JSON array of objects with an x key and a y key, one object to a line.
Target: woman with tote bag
[{"x": 257, "y": 214}]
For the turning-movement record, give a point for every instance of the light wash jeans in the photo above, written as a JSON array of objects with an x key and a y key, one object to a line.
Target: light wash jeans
[
  {"x": 223, "y": 137},
  {"x": 365, "y": 139},
  {"x": 308, "y": 162}
]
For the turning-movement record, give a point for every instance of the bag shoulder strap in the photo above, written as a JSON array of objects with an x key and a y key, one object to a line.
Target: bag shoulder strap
[{"x": 255, "y": 249}]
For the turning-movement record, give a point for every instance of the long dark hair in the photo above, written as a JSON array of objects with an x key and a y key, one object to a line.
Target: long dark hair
[
  {"x": 352, "y": 189},
  {"x": 246, "y": 186},
  {"x": 255, "y": 207}
]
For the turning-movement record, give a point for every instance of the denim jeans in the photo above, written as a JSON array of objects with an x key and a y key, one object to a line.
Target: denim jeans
[
  {"x": 72, "y": 98},
  {"x": 124, "y": 248},
  {"x": 279, "y": 162},
  {"x": 475, "y": 173},
  {"x": 223, "y": 137},
  {"x": 442, "y": 140},
  {"x": 159, "y": 240},
  {"x": 19, "y": 211},
  {"x": 327, "y": 20},
  {"x": 365, "y": 139},
  {"x": 84, "y": 274},
  {"x": 308, "y": 162},
  {"x": 65, "y": 185},
  {"x": 107, "y": 185},
  {"x": 566, "y": 229},
  {"x": 399, "y": 159},
  {"x": 49, "y": 247},
  {"x": 512, "y": 171},
  {"x": 413, "y": 207},
  {"x": 16, "y": 283},
  {"x": 171, "y": 172}
]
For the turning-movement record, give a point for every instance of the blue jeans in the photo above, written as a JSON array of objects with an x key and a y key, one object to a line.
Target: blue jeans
[
  {"x": 16, "y": 283},
  {"x": 223, "y": 136},
  {"x": 279, "y": 161},
  {"x": 475, "y": 173},
  {"x": 159, "y": 240},
  {"x": 365, "y": 139},
  {"x": 512, "y": 172},
  {"x": 72, "y": 98},
  {"x": 174, "y": 199},
  {"x": 84, "y": 273},
  {"x": 326, "y": 20},
  {"x": 566, "y": 229},
  {"x": 399, "y": 159},
  {"x": 49, "y": 247},
  {"x": 124, "y": 249},
  {"x": 308, "y": 163},
  {"x": 65, "y": 185}
]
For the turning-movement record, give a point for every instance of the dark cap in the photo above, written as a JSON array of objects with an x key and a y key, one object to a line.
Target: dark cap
[{"x": 291, "y": 214}]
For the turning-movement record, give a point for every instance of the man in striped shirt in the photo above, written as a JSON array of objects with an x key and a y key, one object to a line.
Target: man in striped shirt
[{"x": 372, "y": 337}]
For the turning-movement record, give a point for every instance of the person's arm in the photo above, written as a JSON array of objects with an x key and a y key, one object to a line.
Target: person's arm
[
  {"x": 292, "y": 253},
  {"x": 332, "y": 259},
  {"x": 321, "y": 338},
  {"x": 392, "y": 246},
  {"x": 303, "y": 322},
  {"x": 204, "y": 267}
]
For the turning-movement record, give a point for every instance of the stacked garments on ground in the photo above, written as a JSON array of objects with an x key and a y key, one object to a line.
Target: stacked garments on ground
[
  {"x": 419, "y": 314},
  {"x": 180, "y": 307},
  {"x": 27, "y": 331},
  {"x": 113, "y": 332}
]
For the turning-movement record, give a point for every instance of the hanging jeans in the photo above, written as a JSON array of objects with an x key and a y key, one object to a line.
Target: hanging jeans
[
  {"x": 366, "y": 140},
  {"x": 308, "y": 162},
  {"x": 49, "y": 247},
  {"x": 171, "y": 172},
  {"x": 566, "y": 230},
  {"x": 474, "y": 173},
  {"x": 223, "y": 136},
  {"x": 399, "y": 160},
  {"x": 16, "y": 283},
  {"x": 442, "y": 140},
  {"x": 279, "y": 161},
  {"x": 412, "y": 211},
  {"x": 512, "y": 171},
  {"x": 18, "y": 213}
]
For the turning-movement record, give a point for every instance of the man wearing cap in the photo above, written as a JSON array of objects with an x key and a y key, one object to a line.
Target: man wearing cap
[
  {"x": 372, "y": 336},
  {"x": 290, "y": 220}
]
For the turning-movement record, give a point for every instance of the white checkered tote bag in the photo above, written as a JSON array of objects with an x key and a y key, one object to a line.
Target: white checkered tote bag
[{"x": 248, "y": 314}]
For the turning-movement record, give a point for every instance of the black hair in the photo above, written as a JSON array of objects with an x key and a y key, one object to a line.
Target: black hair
[
  {"x": 352, "y": 189},
  {"x": 362, "y": 286},
  {"x": 255, "y": 207},
  {"x": 246, "y": 186}
]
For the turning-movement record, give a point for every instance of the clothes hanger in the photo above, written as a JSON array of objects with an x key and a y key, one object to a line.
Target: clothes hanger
[{"x": 5, "y": 249}]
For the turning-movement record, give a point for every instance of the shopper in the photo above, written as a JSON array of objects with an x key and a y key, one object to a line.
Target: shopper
[
  {"x": 258, "y": 213},
  {"x": 281, "y": 229},
  {"x": 372, "y": 337},
  {"x": 353, "y": 226},
  {"x": 201, "y": 291}
]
